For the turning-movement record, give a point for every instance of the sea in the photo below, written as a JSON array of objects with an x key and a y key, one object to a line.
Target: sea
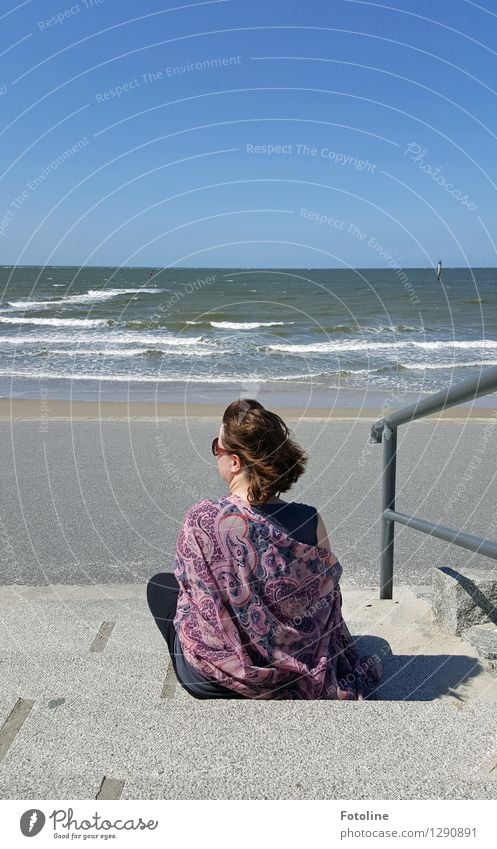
[{"x": 289, "y": 335}]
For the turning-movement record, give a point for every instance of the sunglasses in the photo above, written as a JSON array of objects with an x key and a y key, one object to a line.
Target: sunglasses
[{"x": 216, "y": 448}]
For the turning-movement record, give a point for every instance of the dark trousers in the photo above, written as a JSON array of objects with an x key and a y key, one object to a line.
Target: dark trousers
[{"x": 162, "y": 598}]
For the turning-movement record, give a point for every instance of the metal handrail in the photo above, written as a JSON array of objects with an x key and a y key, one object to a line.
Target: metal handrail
[{"x": 385, "y": 429}]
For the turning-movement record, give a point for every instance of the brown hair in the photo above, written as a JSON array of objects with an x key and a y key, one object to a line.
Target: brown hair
[{"x": 273, "y": 461}]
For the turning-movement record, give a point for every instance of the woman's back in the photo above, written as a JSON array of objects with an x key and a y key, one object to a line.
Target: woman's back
[
  {"x": 298, "y": 520},
  {"x": 256, "y": 609}
]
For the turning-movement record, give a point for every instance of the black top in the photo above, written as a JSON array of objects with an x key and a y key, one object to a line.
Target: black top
[{"x": 299, "y": 520}]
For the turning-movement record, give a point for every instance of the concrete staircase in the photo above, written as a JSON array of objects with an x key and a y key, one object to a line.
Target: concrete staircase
[{"x": 89, "y": 708}]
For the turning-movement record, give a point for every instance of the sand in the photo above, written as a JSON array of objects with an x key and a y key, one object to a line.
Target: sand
[{"x": 18, "y": 409}]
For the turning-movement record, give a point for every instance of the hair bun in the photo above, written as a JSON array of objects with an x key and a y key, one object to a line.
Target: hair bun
[{"x": 272, "y": 460}]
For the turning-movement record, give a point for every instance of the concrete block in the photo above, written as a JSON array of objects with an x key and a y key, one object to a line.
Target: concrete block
[
  {"x": 464, "y": 597},
  {"x": 484, "y": 639}
]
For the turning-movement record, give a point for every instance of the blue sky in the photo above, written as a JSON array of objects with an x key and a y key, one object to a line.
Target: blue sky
[{"x": 263, "y": 134}]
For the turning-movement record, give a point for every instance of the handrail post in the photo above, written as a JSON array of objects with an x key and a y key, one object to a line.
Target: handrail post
[{"x": 388, "y": 503}]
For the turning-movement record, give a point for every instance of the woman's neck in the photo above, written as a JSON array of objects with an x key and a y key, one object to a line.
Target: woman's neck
[{"x": 242, "y": 493}]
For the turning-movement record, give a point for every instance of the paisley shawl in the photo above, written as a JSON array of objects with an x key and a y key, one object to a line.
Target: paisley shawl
[{"x": 260, "y": 612}]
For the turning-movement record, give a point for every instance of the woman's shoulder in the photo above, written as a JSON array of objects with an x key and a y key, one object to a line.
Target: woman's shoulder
[
  {"x": 206, "y": 516},
  {"x": 209, "y": 507},
  {"x": 206, "y": 506},
  {"x": 213, "y": 506}
]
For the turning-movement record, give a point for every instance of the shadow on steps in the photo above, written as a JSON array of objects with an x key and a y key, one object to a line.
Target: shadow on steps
[{"x": 416, "y": 677}]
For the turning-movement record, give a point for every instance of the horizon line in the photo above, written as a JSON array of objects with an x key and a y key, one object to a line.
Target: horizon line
[{"x": 259, "y": 267}]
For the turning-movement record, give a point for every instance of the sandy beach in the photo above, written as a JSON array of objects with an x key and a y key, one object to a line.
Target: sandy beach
[{"x": 20, "y": 409}]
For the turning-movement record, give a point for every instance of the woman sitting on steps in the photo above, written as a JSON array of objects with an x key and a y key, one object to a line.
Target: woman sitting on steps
[{"x": 254, "y": 607}]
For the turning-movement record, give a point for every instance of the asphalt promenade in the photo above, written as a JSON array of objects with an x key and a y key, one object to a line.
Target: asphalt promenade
[{"x": 102, "y": 502}]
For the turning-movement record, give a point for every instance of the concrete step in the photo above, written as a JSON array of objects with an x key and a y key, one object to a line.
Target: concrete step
[
  {"x": 71, "y": 715},
  {"x": 58, "y": 649},
  {"x": 244, "y": 784},
  {"x": 224, "y": 749},
  {"x": 57, "y": 652}
]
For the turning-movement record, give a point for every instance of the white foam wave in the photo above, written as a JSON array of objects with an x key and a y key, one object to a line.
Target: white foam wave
[
  {"x": 93, "y": 352},
  {"x": 468, "y": 345},
  {"x": 107, "y": 337},
  {"x": 454, "y": 364},
  {"x": 247, "y": 325},
  {"x": 330, "y": 347},
  {"x": 158, "y": 378},
  {"x": 90, "y": 297},
  {"x": 56, "y": 322},
  {"x": 170, "y": 341},
  {"x": 123, "y": 352}
]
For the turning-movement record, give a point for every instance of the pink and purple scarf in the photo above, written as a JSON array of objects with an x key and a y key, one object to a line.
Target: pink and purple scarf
[{"x": 260, "y": 612}]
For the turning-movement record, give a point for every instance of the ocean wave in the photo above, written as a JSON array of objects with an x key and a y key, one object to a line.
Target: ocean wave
[
  {"x": 142, "y": 324},
  {"x": 453, "y": 343},
  {"x": 165, "y": 324},
  {"x": 120, "y": 352},
  {"x": 247, "y": 325},
  {"x": 157, "y": 378},
  {"x": 340, "y": 328},
  {"x": 168, "y": 341},
  {"x": 392, "y": 367},
  {"x": 90, "y": 297},
  {"x": 396, "y": 328},
  {"x": 342, "y": 372},
  {"x": 279, "y": 377},
  {"x": 330, "y": 347},
  {"x": 240, "y": 325},
  {"x": 57, "y": 322},
  {"x": 112, "y": 337},
  {"x": 382, "y": 328},
  {"x": 451, "y": 365},
  {"x": 87, "y": 352}
]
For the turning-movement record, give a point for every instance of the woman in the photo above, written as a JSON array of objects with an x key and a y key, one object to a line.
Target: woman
[{"x": 253, "y": 609}]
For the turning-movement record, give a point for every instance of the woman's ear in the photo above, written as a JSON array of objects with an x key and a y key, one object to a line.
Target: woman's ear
[{"x": 237, "y": 461}]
